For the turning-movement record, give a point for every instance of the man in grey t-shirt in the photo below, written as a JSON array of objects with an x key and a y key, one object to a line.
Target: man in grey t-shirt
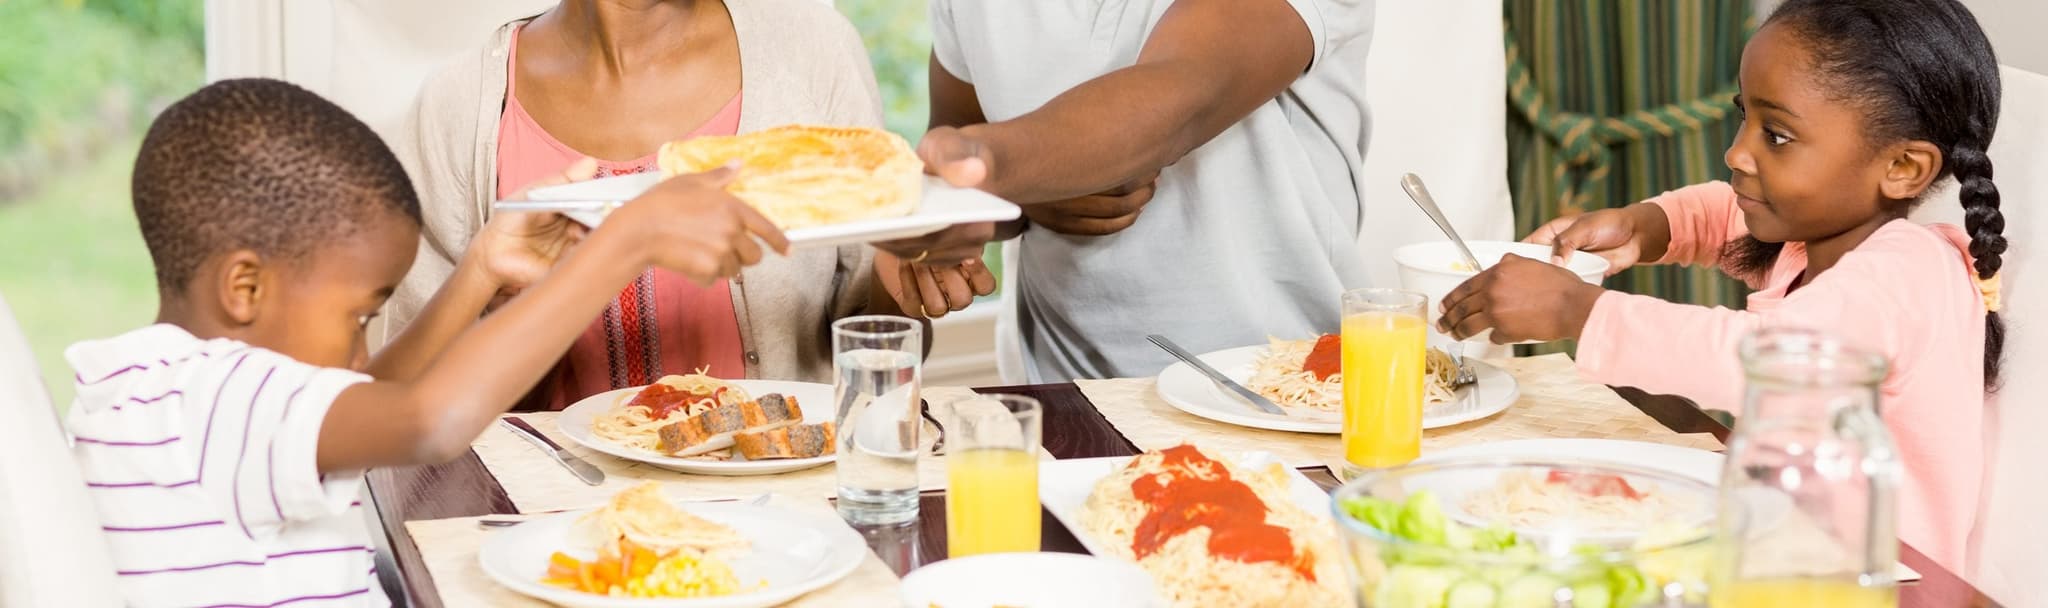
[{"x": 1250, "y": 113}]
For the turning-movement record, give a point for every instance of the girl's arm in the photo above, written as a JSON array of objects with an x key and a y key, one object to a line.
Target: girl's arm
[
  {"x": 1689, "y": 350},
  {"x": 1702, "y": 218}
]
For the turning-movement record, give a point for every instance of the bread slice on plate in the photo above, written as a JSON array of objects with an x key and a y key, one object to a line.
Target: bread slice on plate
[{"x": 807, "y": 441}]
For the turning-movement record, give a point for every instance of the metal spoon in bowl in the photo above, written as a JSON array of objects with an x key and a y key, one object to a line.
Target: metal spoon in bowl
[{"x": 1420, "y": 194}]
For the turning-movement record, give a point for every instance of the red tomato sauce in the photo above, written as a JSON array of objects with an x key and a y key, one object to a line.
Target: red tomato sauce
[
  {"x": 1198, "y": 492},
  {"x": 662, "y": 399},
  {"x": 1595, "y": 484},
  {"x": 1326, "y": 359}
]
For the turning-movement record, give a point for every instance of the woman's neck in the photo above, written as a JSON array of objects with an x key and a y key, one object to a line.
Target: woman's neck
[
  {"x": 1822, "y": 254},
  {"x": 615, "y": 34}
]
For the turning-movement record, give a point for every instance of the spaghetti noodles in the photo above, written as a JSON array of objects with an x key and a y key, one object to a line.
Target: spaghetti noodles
[
  {"x": 1282, "y": 375},
  {"x": 638, "y": 419},
  {"x": 1212, "y": 534}
]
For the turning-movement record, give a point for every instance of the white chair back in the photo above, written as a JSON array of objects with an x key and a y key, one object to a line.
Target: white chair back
[
  {"x": 2007, "y": 556},
  {"x": 51, "y": 549}
]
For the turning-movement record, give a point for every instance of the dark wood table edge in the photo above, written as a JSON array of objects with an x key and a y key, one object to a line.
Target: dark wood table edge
[{"x": 1938, "y": 588}]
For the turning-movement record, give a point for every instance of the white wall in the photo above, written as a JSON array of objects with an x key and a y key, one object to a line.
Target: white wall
[{"x": 2013, "y": 26}]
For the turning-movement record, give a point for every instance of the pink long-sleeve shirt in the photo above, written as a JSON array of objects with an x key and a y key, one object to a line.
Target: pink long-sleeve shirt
[{"x": 1906, "y": 292}]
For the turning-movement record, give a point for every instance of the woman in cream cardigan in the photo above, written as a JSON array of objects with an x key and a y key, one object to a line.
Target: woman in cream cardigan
[{"x": 613, "y": 81}]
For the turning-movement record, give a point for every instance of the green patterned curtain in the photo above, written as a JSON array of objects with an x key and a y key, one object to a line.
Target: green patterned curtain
[{"x": 1613, "y": 101}]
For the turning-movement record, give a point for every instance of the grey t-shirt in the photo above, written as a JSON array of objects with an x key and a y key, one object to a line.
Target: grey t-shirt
[{"x": 1254, "y": 234}]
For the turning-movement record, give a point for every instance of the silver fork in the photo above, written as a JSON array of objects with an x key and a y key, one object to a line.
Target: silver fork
[{"x": 1465, "y": 374}]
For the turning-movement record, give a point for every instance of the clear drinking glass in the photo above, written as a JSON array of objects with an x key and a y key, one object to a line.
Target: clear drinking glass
[
  {"x": 1815, "y": 470},
  {"x": 1384, "y": 340},
  {"x": 876, "y": 360},
  {"x": 992, "y": 474}
]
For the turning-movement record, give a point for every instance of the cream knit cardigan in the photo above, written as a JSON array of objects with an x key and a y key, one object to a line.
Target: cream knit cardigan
[{"x": 801, "y": 62}]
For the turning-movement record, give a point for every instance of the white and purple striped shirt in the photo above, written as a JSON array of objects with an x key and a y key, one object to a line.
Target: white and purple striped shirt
[{"x": 200, "y": 455}]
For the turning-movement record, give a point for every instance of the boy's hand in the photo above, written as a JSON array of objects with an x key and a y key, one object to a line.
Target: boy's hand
[
  {"x": 691, "y": 225},
  {"x": 933, "y": 291},
  {"x": 517, "y": 249},
  {"x": 1520, "y": 299}
]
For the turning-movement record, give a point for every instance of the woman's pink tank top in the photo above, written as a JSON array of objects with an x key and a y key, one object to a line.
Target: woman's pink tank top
[{"x": 661, "y": 323}]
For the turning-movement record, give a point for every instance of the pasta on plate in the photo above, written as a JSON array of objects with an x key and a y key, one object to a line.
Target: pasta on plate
[
  {"x": 1304, "y": 375},
  {"x": 1214, "y": 534}
]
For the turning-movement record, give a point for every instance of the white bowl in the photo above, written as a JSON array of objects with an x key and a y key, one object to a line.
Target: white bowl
[
  {"x": 1029, "y": 579},
  {"x": 1433, "y": 269}
]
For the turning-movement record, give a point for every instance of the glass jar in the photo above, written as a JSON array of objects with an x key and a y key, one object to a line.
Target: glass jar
[{"x": 1808, "y": 495}]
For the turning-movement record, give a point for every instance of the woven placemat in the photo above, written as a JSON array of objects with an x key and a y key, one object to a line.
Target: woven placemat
[
  {"x": 536, "y": 482},
  {"x": 1555, "y": 403},
  {"x": 449, "y": 547}
]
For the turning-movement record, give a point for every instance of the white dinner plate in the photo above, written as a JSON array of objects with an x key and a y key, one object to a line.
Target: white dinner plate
[
  {"x": 814, "y": 399},
  {"x": 1064, "y": 485},
  {"x": 795, "y": 552},
  {"x": 942, "y": 205},
  {"x": 1029, "y": 580},
  {"x": 1191, "y": 392}
]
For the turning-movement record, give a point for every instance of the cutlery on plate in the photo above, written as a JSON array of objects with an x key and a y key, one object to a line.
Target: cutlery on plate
[
  {"x": 1257, "y": 401},
  {"x": 583, "y": 470},
  {"x": 502, "y": 523},
  {"x": 1412, "y": 184}
]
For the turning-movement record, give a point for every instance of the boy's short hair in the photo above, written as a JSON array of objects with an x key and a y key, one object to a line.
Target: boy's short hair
[{"x": 263, "y": 165}]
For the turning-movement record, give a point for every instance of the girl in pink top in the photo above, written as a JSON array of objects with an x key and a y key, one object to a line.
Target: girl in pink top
[{"x": 1852, "y": 110}]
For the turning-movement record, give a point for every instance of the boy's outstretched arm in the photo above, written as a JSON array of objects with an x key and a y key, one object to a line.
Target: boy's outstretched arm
[
  {"x": 513, "y": 249},
  {"x": 687, "y": 224}
]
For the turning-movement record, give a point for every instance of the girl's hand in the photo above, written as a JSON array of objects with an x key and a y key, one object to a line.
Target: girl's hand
[
  {"x": 1520, "y": 299},
  {"x": 691, "y": 225},
  {"x": 517, "y": 249},
  {"x": 933, "y": 291},
  {"x": 1624, "y": 237}
]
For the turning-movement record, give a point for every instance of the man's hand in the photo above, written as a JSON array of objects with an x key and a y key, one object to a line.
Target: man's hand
[
  {"x": 933, "y": 291},
  {"x": 1520, "y": 299},
  {"x": 1099, "y": 214}
]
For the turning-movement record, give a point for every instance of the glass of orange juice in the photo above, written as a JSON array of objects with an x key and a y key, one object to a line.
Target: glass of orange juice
[
  {"x": 1384, "y": 335},
  {"x": 992, "y": 474}
]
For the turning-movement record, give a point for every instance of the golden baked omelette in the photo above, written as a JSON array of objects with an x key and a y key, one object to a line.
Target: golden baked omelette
[{"x": 802, "y": 176}]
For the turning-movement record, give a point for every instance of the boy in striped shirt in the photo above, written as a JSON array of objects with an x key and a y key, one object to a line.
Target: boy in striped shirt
[{"x": 225, "y": 444}]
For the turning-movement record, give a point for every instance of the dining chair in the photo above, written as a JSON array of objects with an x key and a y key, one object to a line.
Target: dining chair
[
  {"x": 51, "y": 549},
  {"x": 2007, "y": 556}
]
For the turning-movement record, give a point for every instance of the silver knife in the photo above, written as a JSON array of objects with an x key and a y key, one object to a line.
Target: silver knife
[
  {"x": 1258, "y": 401},
  {"x": 564, "y": 206},
  {"x": 583, "y": 470}
]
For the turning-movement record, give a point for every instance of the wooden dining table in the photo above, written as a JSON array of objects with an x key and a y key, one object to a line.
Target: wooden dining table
[{"x": 1073, "y": 428}]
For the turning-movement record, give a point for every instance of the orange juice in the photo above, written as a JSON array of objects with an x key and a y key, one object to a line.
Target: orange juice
[
  {"x": 991, "y": 502},
  {"x": 1801, "y": 593},
  {"x": 1383, "y": 375}
]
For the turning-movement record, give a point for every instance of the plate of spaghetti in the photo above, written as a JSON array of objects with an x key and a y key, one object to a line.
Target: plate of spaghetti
[
  {"x": 1212, "y": 529},
  {"x": 707, "y": 426},
  {"x": 644, "y": 550},
  {"x": 1304, "y": 379}
]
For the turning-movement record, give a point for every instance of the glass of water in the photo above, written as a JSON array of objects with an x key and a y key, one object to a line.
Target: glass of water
[{"x": 876, "y": 360}]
